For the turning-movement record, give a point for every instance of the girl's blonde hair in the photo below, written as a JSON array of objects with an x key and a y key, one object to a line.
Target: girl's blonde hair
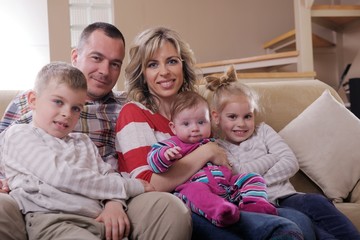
[
  {"x": 226, "y": 86},
  {"x": 144, "y": 47}
]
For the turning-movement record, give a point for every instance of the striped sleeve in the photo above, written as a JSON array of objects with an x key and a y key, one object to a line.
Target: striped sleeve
[
  {"x": 156, "y": 157},
  {"x": 137, "y": 129}
]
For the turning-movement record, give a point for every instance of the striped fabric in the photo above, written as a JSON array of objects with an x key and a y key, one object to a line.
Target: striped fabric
[
  {"x": 67, "y": 175},
  {"x": 97, "y": 120}
]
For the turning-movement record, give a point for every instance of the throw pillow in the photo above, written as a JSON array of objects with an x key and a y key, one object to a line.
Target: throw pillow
[{"x": 325, "y": 138}]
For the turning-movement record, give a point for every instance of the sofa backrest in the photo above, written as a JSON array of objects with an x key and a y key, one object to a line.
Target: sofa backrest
[
  {"x": 5, "y": 98},
  {"x": 282, "y": 101}
]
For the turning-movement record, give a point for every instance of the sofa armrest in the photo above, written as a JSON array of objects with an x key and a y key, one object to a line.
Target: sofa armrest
[{"x": 355, "y": 194}]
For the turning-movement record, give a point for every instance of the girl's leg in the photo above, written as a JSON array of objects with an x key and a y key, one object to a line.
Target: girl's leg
[
  {"x": 303, "y": 221},
  {"x": 201, "y": 200},
  {"x": 328, "y": 220},
  {"x": 250, "y": 193},
  {"x": 251, "y": 226}
]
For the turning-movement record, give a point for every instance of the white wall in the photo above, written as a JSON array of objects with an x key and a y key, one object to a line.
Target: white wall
[{"x": 24, "y": 43}]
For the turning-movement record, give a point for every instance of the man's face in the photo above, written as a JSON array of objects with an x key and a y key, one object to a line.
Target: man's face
[{"x": 100, "y": 59}]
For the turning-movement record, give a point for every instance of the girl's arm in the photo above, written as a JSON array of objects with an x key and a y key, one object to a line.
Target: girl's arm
[
  {"x": 286, "y": 165},
  {"x": 184, "y": 168}
]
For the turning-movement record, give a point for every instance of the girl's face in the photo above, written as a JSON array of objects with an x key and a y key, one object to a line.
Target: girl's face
[
  {"x": 192, "y": 124},
  {"x": 163, "y": 73},
  {"x": 236, "y": 121}
]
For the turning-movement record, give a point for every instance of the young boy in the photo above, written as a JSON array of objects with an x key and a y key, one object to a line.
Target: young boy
[
  {"x": 213, "y": 192},
  {"x": 58, "y": 178}
]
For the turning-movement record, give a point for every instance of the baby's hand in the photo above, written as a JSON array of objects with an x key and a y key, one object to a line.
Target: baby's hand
[
  {"x": 173, "y": 153},
  {"x": 147, "y": 186}
]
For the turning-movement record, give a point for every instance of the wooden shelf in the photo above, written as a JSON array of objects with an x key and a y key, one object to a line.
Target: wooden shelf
[
  {"x": 270, "y": 76},
  {"x": 286, "y": 42},
  {"x": 335, "y": 17},
  {"x": 262, "y": 61}
]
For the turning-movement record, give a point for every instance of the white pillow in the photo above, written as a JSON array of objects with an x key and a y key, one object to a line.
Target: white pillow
[{"x": 325, "y": 138}]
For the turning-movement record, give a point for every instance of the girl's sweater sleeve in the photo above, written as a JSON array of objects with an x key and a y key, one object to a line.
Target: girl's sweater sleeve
[
  {"x": 286, "y": 164},
  {"x": 156, "y": 157}
]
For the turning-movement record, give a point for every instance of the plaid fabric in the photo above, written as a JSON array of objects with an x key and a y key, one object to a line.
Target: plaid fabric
[{"x": 97, "y": 120}]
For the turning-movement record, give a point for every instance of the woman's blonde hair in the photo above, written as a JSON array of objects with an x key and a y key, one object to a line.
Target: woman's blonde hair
[{"x": 144, "y": 47}]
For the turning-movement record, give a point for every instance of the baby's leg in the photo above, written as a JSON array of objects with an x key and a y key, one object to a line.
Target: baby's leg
[
  {"x": 200, "y": 199},
  {"x": 251, "y": 194}
]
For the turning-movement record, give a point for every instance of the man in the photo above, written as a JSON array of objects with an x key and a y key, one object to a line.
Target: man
[{"x": 99, "y": 55}]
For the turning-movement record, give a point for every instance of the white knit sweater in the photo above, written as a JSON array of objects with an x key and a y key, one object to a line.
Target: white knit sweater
[{"x": 266, "y": 153}]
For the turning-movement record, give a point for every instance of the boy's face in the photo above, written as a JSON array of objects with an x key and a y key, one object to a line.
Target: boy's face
[
  {"x": 236, "y": 121},
  {"x": 57, "y": 109},
  {"x": 192, "y": 125}
]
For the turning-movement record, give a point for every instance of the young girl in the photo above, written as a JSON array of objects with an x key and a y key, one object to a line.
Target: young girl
[
  {"x": 213, "y": 192},
  {"x": 258, "y": 148}
]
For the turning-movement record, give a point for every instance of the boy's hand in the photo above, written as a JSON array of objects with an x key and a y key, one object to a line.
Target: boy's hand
[
  {"x": 4, "y": 188},
  {"x": 117, "y": 224},
  {"x": 173, "y": 153},
  {"x": 148, "y": 187}
]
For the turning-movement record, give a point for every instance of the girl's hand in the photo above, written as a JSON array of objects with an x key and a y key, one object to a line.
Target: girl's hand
[
  {"x": 173, "y": 153},
  {"x": 117, "y": 224},
  {"x": 218, "y": 155},
  {"x": 4, "y": 188}
]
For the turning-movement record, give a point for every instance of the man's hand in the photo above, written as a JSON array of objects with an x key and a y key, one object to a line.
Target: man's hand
[
  {"x": 4, "y": 188},
  {"x": 117, "y": 224}
]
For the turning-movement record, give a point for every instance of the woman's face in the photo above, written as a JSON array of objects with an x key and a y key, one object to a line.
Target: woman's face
[{"x": 164, "y": 72}]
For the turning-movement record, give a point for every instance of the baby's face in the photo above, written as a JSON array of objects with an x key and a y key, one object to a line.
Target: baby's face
[
  {"x": 192, "y": 125},
  {"x": 57, "y": 109}
]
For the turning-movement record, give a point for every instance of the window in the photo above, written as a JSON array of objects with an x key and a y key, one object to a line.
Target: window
[
  {"x": 84, "y": 12},
  {"x": 24, "y": 42}
]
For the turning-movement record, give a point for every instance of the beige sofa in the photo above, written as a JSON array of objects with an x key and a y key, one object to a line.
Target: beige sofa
[{"x": 282, "y": 101}]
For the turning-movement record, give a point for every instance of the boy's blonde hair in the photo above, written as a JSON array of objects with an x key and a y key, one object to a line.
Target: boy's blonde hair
[
  {"x": 60, "y": 72},
  {"x": 186, "y": 100}
]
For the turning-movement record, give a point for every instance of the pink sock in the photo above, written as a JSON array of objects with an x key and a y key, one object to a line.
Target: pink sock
[{"x": 259, "y": 206}]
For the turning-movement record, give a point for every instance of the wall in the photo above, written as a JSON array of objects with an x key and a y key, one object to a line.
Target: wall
[{"x": 216, "y": 30}]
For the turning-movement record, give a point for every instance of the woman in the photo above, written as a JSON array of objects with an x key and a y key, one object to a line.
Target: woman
[{"x": 162, "y": 65}]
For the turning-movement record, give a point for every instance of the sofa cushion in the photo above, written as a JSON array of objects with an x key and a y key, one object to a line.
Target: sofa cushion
[{"x": 325, "y": 138}]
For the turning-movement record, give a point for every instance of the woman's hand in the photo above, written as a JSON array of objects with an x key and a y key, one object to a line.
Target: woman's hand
[
  {"x": 117, "y": 224},
  {"x": 217, "y": 155},
  {"x": 4, "y": 188}
]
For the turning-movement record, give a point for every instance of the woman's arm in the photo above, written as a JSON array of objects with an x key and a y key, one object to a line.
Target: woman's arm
[{"x": 137, "y": 129}]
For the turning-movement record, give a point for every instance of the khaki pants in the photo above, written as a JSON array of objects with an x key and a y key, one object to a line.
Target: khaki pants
[
  {"x": 154, "y": 215},
  {"x": 12, "y": 225}
]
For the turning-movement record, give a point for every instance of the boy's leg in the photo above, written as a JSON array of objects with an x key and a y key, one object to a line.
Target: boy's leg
[
  {"x": 48, "y": 226},
  {"x": 12, "y": 225},
  {"x": 159, "y": 215}
]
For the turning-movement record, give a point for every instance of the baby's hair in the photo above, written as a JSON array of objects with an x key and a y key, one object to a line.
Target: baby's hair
[
  {"x": 186, "y": 100},
  {"x": 226, "y": 86},
  {"x": 60, "y": 72}
]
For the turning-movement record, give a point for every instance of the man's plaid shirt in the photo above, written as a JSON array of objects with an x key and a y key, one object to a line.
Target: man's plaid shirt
[{"x": 97, "y": 120}]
